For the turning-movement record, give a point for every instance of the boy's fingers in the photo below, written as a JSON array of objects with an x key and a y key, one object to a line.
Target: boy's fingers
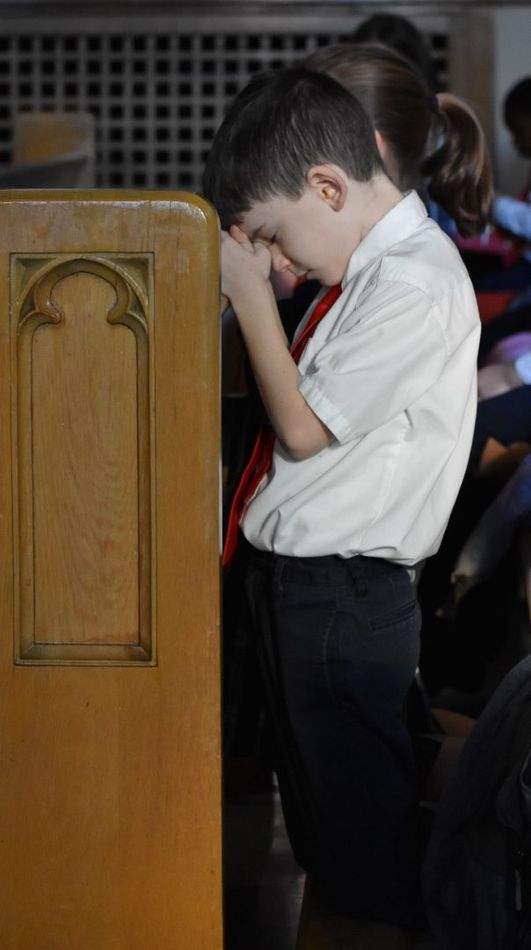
[
  {"x": 237, "y": 233},
  {"x": 241, "y": 238},
  {"x": 233, "y": 243}
]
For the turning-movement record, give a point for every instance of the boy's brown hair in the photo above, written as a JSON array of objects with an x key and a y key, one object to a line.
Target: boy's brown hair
[{"x": 277, "y": 128}]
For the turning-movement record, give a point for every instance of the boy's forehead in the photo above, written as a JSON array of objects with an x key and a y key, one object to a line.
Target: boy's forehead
[
  {"x": 265, "y": 217},
  {"x": 257, "y": 218}
]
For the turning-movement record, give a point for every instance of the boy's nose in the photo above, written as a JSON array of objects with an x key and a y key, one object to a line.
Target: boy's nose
[{"x": 279, "y": 260}]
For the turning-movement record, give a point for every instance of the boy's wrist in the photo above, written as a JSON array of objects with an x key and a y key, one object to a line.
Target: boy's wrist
[{"x": 249, "y": 296}]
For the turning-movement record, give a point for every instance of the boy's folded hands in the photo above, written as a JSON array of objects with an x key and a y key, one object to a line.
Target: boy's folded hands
[{"x": 244, "y": 265}]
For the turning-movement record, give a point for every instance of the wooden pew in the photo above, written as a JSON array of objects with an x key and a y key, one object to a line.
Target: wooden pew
[{"x": 110, "y": 792}]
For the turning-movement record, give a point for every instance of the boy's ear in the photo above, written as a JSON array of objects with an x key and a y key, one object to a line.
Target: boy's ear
[
  {"x": 381, "y": 145},
  {"x": 330, "y": 184}
]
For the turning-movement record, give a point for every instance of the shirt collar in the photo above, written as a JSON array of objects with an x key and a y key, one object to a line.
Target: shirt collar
[{"x": 399, "y": 223}]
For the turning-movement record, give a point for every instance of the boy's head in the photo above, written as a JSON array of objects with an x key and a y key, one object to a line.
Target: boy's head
[
  {"x": 517, "y": 112},
  {"x": 278, "y": 128}
]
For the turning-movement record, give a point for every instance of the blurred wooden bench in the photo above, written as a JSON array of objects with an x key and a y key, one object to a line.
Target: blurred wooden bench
[
  {"x": 51, "y": 150},
  {"x": 66, "y": 171}
]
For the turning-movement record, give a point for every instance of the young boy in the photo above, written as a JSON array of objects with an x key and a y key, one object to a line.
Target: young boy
[{"x": 373, "y": 427}]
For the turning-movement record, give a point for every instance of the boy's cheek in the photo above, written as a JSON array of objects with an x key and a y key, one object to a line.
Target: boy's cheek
[{"x": 284, "y": 283}]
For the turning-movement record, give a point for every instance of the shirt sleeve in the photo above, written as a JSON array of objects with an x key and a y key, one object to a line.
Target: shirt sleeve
[
  {"x": 513, "y": 215},
  {"x": 388, "y": 353}
]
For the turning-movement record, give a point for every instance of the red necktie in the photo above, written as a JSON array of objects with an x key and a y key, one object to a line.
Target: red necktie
[{"x": 262, "y": 454}]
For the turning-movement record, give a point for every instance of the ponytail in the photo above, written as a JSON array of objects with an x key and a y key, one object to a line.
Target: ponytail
[
  {"x": 459, "y": 171},
  {"x": 410, "y": 118}
]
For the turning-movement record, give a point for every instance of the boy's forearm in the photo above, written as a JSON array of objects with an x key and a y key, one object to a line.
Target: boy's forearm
[{"x": 296, "y": 425}]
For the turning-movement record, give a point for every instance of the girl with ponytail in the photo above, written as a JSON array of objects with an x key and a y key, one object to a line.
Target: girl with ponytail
[{"x": 432, "y": 143}]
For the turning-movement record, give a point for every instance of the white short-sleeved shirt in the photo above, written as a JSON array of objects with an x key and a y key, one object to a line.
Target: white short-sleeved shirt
[{"x": 391, "y": 371}]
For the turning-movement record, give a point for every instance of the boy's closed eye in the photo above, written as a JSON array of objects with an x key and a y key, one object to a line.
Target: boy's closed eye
[{"x": 256, "y": 238}]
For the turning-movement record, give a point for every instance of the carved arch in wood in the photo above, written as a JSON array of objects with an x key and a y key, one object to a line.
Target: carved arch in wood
[{"x": 34, "y": 289}]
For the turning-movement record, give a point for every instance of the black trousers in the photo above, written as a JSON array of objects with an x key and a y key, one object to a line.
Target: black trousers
[{"x": 337, "y": 643}]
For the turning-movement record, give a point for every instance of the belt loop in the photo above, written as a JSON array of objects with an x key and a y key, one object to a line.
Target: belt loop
[
  {"x": 278, "y": 570},
  {"x": 357, "y": 569}
]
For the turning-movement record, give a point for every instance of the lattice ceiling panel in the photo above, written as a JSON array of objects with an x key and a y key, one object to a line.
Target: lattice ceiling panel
[{"x": 158, "y": 98}]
